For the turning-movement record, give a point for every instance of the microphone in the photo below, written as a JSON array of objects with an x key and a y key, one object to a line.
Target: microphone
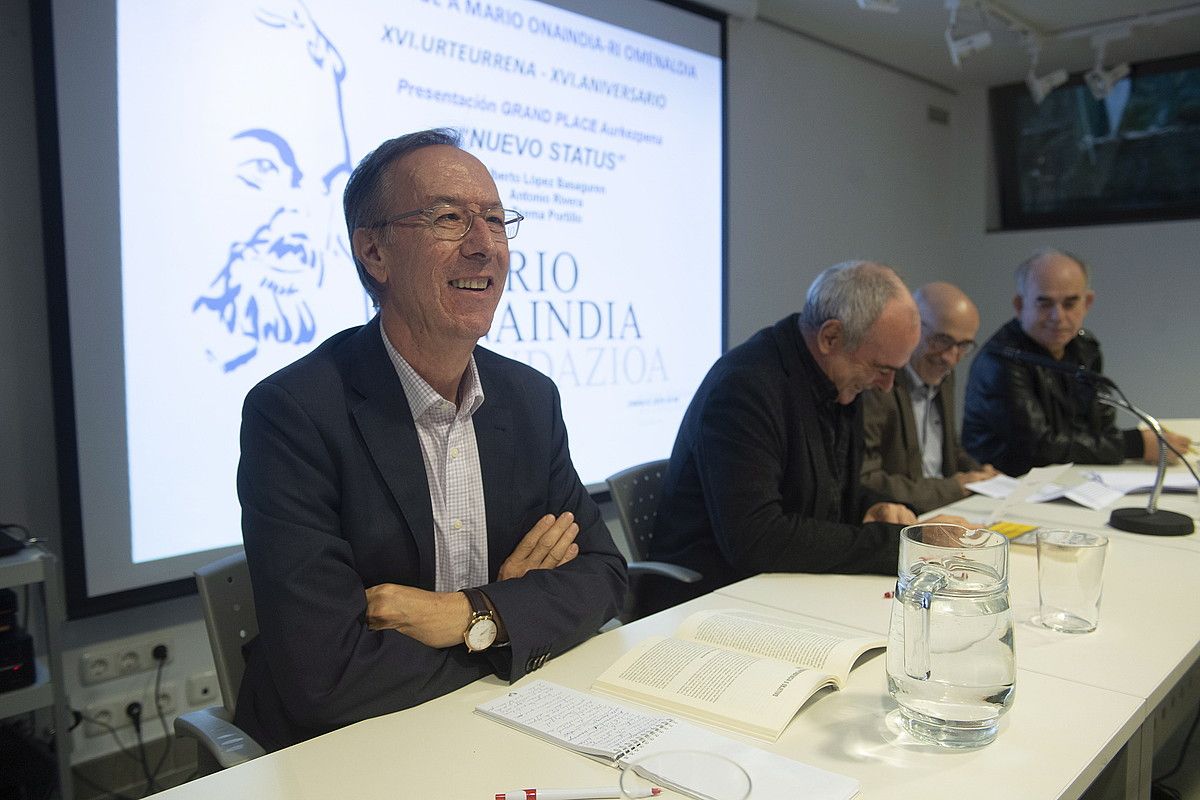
[{"x": 1080, "y": 372}]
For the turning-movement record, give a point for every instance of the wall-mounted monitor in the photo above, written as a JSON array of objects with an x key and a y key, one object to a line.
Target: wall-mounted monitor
[{"x": 1132, "y": 155}]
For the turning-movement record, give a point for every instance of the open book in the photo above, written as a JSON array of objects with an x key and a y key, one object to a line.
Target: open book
[
  {"x": 613, "y": 733},
  {"x": 740, "y": 670}
]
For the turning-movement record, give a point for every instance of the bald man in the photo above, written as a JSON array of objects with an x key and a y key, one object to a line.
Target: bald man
[
  {"x": 1019, "y": 415},
  {"x": 764, "y": 476},
  {"x": 911, "y": 447}
]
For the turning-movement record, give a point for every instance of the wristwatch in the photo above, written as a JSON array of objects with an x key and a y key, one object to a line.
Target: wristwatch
[{"x": 481, "y": 630}]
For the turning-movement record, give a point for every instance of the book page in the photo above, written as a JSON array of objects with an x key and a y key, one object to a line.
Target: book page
[
  {"x": 573, "y": 719},
  {"x": 791, "y": 640},
  {"x": 743, "y": 692}
]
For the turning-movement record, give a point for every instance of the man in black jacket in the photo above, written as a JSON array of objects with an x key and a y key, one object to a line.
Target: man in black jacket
[
  {"x": 1019, "y": 415},
  {"x": 764, "y": 476}
]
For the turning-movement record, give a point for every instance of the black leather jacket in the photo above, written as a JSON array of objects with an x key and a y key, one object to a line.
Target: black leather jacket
[{"x": 1020, "y": 416}]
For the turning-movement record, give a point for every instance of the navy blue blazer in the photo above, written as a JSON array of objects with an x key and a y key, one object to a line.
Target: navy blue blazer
[{"x": 335, "y": 499}]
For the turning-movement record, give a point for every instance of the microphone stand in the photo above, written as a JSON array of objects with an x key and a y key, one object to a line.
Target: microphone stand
[{"x": 1150, "y": 520}]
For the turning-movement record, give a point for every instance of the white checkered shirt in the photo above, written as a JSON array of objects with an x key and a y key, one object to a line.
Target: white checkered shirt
[{"x": 448, "y": 447}]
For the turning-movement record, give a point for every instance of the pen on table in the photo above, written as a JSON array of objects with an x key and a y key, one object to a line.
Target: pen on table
[{"x": 576, "y": 794}]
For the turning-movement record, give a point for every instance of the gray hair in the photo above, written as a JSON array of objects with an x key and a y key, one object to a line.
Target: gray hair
[
  {"x": 1026, "y": 266},
  {"x": 365, "y": 198},
  {"x": 854, "y": 293}
]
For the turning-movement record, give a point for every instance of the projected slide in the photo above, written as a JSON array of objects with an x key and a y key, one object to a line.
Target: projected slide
[{"x": 237, "y": 129}]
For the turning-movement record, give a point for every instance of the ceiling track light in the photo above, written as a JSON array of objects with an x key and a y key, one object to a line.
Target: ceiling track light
[
  {"x": 1100, "y": 81},
  {"x": 960, "y": 46},
  {"x": 1040, "y": 87},
  {"x": 887, "y": 6}
]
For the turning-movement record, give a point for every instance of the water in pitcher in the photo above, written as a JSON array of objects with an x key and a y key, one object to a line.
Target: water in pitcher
[{"x": 950, "y": 658}]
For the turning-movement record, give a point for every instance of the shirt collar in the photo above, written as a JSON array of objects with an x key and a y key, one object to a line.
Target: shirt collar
[
  {"x": 915, "y": 384},
  {"x": 823, "y": 389},
  {"x": 422, "y": 397}
]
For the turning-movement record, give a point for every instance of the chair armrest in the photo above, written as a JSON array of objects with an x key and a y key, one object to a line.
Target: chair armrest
[
  {"x": 217, "y": 734},
  {"x": 672, "y": 571}
]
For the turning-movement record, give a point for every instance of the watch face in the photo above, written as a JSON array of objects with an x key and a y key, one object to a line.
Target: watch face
[{"x": 481, "y": 634}]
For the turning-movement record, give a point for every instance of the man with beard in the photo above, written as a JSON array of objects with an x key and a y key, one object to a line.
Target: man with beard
[{"x": 289, "y": 169}]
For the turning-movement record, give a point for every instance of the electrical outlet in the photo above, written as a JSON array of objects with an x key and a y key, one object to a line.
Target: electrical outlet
[
  {"x": 202, "y": 689},
  {"x": 112, "y": 710},
  {"x": 129, "y": 658},
  {"x": 96, "y": 667},
  {"x": 139, "y": 656}
]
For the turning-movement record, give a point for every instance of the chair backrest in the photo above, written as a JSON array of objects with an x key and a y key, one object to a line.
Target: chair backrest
[
  {"x": 228, "y": 603},
  {"x": 636, "y": 493}
]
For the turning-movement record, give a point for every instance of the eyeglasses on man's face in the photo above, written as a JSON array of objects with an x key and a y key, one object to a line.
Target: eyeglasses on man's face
[
  {"x": 452, "y": 222},
  {"x": 941, "y": 342}
]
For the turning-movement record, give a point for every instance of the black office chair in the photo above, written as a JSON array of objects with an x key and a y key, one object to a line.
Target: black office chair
[
  {"x": 636, "y": 494},
  {"x": 228, "y": 602}
]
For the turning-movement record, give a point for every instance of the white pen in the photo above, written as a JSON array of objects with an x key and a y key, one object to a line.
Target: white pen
[{"x": 599, "y": 793}]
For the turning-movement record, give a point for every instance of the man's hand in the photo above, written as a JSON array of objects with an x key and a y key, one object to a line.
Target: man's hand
[
  {"x": 982, "y": 474},
  {"x": 890, "y": 512},
  {"x": 1150, "y": 445},
  {"x": 950, "y": 519},
  {"x": 437, "y": 619},
  {"x": 549, "y": 544},
  {"x": 932, "y": 533}
]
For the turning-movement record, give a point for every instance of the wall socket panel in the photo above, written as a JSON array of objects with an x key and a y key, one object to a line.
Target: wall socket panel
[
  {"x": 203, "y": 689},
  {"x": 111, "y": 711},
  {"x": 130, "y": 658}
]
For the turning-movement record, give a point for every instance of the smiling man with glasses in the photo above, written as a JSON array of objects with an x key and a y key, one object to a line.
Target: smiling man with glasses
[
  {"x": 411, "y": 516},
  {"x": 912, "y": 451}
]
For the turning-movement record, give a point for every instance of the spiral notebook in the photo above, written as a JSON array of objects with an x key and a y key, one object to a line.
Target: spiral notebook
[{"x": 619, "y": 735}]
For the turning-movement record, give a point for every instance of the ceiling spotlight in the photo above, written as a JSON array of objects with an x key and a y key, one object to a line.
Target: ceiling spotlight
[
  {"x": 1101, "y": 81},
  {"x": 965, "y": 45},
  {"x": 890, "y": 6},
  {"x": 1040, "y": 87}
]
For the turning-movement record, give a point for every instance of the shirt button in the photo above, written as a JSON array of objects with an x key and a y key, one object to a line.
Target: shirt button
[
  {"x": 457, "y": 524},
  {"x": 454, "y": 452}
]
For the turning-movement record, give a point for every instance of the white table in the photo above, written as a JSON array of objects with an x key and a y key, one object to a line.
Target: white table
[
  {"x": 1147, "y": 643},
  {"x": 1149, "y": 632},
  {"x": 1067, "y": 514},
  {"x": 1081, "y": 702},
  {"x": 1054, "y": 742}
]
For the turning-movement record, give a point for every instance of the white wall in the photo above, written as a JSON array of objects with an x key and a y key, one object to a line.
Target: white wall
[{"x": 830, "y": 158}]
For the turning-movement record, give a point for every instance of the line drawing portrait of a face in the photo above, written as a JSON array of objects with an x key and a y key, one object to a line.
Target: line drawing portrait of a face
[{"x": 289, "y": 164}]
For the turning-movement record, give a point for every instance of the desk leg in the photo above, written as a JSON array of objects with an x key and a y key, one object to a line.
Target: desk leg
[
  {"x": 1139, "y": 761},
  {"x": 1127, "y": 776}
]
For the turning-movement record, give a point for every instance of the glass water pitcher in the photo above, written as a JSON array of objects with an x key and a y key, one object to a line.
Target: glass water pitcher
[{"x": 950, "y": 648}]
